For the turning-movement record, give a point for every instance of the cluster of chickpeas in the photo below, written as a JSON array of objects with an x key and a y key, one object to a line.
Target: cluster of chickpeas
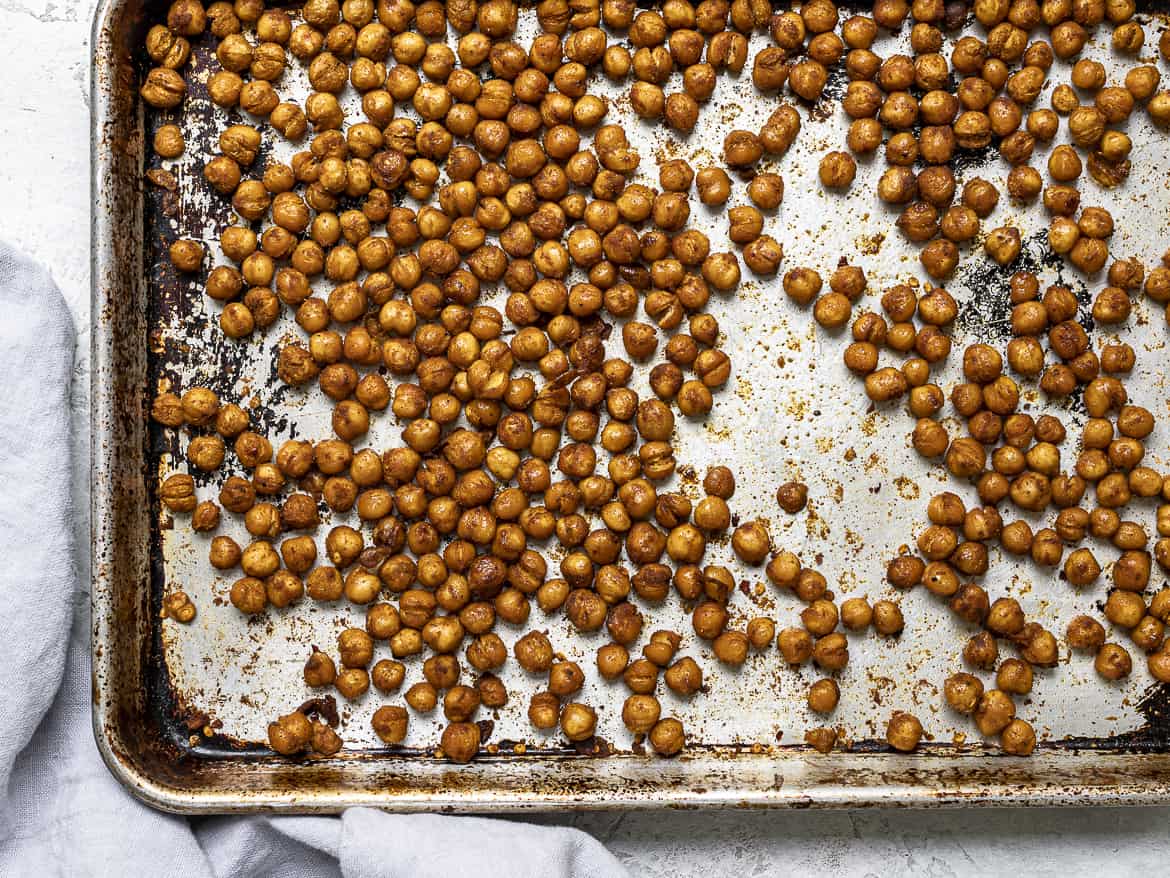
[
  {"x": 1010, "y": 456},
  {"x": 519, "y": 429},
  {"x": 911, "y": 108},
  {"x": 491, "y": 460},
  {"x": 910, "y": 105}
]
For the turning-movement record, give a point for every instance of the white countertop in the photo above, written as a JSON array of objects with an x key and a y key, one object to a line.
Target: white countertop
[{"x": 45, "y": 209}]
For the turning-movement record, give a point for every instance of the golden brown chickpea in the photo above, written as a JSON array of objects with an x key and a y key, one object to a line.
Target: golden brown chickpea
[
  {"x": 940, "y": 258},
  {"x": 544, "y": 710},
  {"x": 837, "y": 170},
  {"x": 795, "y": 645},
  {"x": 578, "y": 721},
  {"x": 760, "y": 632},
  {"x": 460, "y": 741},
  {"x": 662, "y": 647},
  {"x": 831, "y": 652},
  {"x": 290, "y": 734},
  {"x": 856, "y": 614},
  {"x": 388, "y": 675},
  {"x": 1148, "y": 635},
  {"x": 963, "y": 692},
  {"x": 833, "y": 310},
  {"x": 802, "y": 285},
  {"x": 930, "y": 438},
  {"x": 1018, "y": 738},
  {"x": 1081, "y": 568},
  {"x": 1124, "y": 609},
  {"x": 352, "y": 683},
  {"x": 887, "y": 618},
  {"x": 534, "y": 652},
  {"x": 667, "y": 737},
  {"x": 319, "y": 669},
  {"x": 1159, "y": 666},
  {"x": 640, "y": 713},
  {"x": 981, "y": 651},
  {"x": 1131, "y": 571},
  {"x": 177, "y": 493},
  {"x": 994, "y": 712},
  {"x": 823, "y": 696},
  {"x": 751, "y": 542},
  {"x": 903, "y": 732},
  {"x": 865, "y": 136},
  {"x": 169, "y": 142},
  {"x": 1113, "y": 662},
  {"x": 1014, "y": 677},
  {"x": 390, "y": 723},
  {"x": 713, "y": 184},
  {"x": 1085, "y": 633},
  {"x": 731, "y": 647}
]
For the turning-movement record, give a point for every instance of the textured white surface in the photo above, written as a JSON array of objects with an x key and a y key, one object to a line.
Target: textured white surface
[{"x": 45, "y": 208}]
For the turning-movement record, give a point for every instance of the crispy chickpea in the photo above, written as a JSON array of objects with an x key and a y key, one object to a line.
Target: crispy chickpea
[
  {"x": 751, "y": 542},
  {"x": 994, "y": 712},
  {"x": 534, "y": 652},
  {"x": 963, "y": 692},
  {"x": 837, "y": 170},
  {"x": 578, "y": 721},
  {"x": 1085, "y": 633},
  {"x": 831, "y": 652},
  {"x": 887, "y": 618},
  {"x": 903, "y": 732},
  {"x": 388, "y": 675},
  {"x": 544, "y": 710},
  {"x": 460, "y": 741},
  {"x": 1113, "y": 662},
  {"x": 290, "y": 734},
  {"x": 1081, "y": 568},
  {"x": 802, "y": 285},
  {"x": 823, "y": 696},
  {"x": 667, "y": 737},
  {"x": 390, "y": 723},
  {"x": 713, "y": 185},
  {"x": 1159, "y": 666},
  {"x": 1018, "y": 738},
  {"x": 640, "y": 713},
  {"x": 833, "y": 310},
  {"x": 1014, "y": 676}
]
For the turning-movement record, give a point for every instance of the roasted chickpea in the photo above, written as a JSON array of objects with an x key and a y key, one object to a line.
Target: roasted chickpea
[
  {"x": 1113, "y": 662},
  {"x": 837, "y": 170},
  {"x": 903, "y": 732}
]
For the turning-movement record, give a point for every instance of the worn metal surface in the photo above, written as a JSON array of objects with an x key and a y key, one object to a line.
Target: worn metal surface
[{"x": 790, "y": 411}]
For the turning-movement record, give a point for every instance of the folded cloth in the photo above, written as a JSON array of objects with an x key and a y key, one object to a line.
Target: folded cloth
[{"x": 61, "y": 812}]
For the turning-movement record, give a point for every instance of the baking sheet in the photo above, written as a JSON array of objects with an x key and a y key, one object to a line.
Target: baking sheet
[{"x": 791, "y": 410}]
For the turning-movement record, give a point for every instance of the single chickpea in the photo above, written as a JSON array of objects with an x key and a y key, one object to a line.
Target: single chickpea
[
  {"x": 963, "y": 692},
  {"x": 578, "y": 721},
  {"x": 994, "y": 712},
  {"x": 837, "y": 170},
  {"x": 903, "y": 732},
  {"x": 667, "y": 737},
  {"x": 1018, "y": 738},
  {"x": 1085, "y": 633},
  {"x": 1113, "y": 662},
  {"x": 823, "y": 696}
]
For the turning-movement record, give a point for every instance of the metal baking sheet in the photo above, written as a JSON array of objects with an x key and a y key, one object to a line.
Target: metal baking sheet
[{"x": 178, "y": 709}]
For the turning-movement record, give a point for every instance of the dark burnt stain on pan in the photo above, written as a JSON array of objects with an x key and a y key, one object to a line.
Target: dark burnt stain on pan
[
  {"x": 981, "y": 288},
  {"x": 1152, "y": 737}
]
